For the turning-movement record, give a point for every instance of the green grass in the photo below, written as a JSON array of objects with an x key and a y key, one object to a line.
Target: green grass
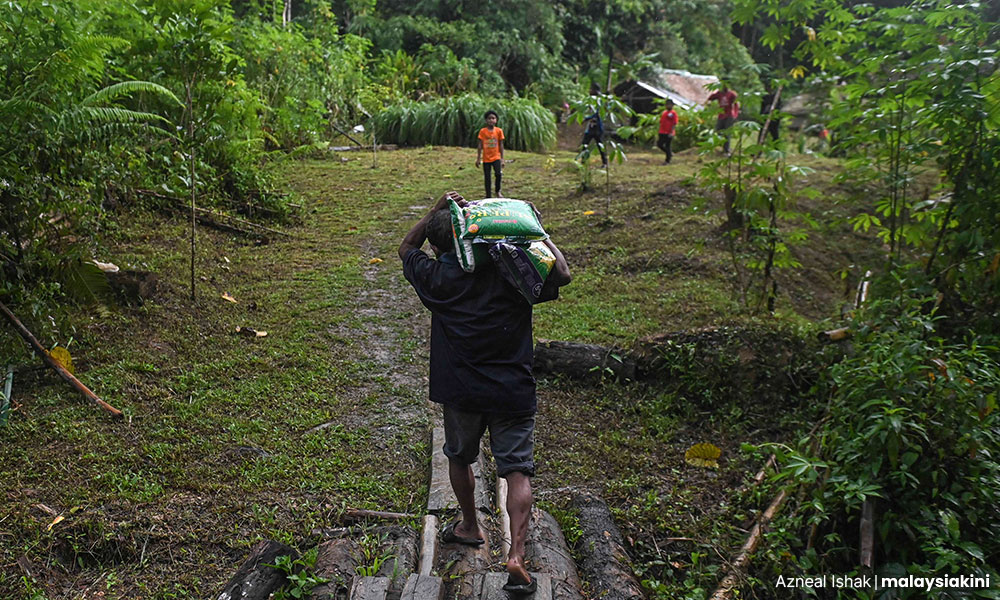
[{"x": 218, "y": 449}]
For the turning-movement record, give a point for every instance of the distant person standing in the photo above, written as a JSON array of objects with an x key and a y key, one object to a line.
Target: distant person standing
[
  {"x": 489, "y": 153},
  {"x": 729, "y": 110},
  {"x": 594, "y": 132},
  {"x": 668, "y": 123}
]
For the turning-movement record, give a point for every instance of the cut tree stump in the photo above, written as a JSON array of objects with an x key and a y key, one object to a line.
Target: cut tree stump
[
  {"x": 605, "y": 563},
  {"x": 133, "y": 287},
  {"x": 255, "y": 580},
  {"x": 423, "y": 587},
  {"x": 336, "y": 561},
  {"x": 583, "y": 361},
  {"x": 546, "y": 551}
]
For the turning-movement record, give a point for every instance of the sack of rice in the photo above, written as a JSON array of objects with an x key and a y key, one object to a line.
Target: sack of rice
[
  {"x": 525, "y": 267},
  {"x": 490, "y": 221}
]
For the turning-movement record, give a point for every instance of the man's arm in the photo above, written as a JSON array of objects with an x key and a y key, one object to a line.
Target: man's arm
[
  {"x": 414, "y": 239},
  {"x": 560, "y": 275}
]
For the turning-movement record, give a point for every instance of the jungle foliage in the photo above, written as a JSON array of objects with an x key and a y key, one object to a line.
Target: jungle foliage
[{"x": 102, "y": 101}]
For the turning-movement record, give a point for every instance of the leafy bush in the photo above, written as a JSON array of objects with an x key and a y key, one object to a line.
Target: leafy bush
[
  {"x": 456, "y": 121},
  {"x": 63, "y": 121},
  {"x": 912, "y": 427},
  {"x": 305, "y": 78}
]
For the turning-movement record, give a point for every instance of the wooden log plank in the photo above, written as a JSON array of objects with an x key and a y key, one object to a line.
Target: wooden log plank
[
  {"x": 605, "y": 562},
  {"x": 546, "y": 552},
  {"x": 440, "y": 496},
  {"x": 370, "y": 588},
  {"x": 255, "y": 580},
  {"x": 337, "y": 562},
  {"x": 493, "y": 587},
  {"x": 428, "y": 545},
  {"x": 423, "y": 587},
  {"x": 583, "y": 361},
  {"x": 504, "y": 517},
  {"x": 54, "y": 365}
]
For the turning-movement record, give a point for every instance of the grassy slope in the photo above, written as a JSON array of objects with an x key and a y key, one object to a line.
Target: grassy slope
[{"x": 218, "y": 449}]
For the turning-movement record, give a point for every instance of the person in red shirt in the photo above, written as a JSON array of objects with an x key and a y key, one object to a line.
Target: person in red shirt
[
  {"x": 729, "y": 110},
  {"x": 489, "y": 152},
  {"x": 668, "y": 123}
]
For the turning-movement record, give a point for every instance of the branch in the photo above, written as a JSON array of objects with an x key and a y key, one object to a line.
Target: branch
[{"x": 58, "y": 368}]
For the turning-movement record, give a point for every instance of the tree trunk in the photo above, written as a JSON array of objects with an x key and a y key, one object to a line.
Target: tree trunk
[{"x": 585, "y": 361}]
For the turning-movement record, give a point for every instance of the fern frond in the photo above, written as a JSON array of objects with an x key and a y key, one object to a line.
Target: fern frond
[
  {"x": 21, "y": 108},
  {"x": 115, "y": 114},
  {"x": 76, "y": 64},
  {"x": 126, "y": 89}
]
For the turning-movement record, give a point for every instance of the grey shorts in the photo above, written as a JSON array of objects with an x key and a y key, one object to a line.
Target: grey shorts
[{"x": 512, "y": 439}]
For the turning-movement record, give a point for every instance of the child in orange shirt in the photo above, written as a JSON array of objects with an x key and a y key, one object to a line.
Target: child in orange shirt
[{"x": 490, "y": 152}]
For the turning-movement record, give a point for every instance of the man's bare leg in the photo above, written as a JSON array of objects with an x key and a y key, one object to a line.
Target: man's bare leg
[
  {"x": 519, "y": 511},
  {"x": 464, "y": 483}
]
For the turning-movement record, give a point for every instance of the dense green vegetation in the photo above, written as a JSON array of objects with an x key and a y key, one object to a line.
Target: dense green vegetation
[{"x": 116, "y": 112}]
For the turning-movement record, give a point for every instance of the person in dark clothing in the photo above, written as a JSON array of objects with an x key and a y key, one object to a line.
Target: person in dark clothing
[
  {"x": 765, "y": 109},
  {"x": 481, "y": 372},
  {"x": 729, "y": 111},
  {"x": 594, "y": 131}
]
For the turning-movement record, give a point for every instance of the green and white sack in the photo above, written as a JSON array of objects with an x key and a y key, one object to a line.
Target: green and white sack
[{"x": 485, "y": 222}]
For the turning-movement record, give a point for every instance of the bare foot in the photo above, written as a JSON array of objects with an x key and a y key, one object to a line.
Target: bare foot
[
  {"x": 515, "y": 568},
  {"x": 472, "y": 531}
]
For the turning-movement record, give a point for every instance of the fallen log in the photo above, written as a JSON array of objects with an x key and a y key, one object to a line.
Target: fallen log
[
  {"x": 742, "y": 560},
  {"x": 605, "y": 563},
  {"x": 584, "y": 361},
  {"x": 256, "y": 580},
  {"x": 336, "y": 562},
  {"x": 462, "y": 565},
  {"x": 547, "y": 552},
  {"x": 54, "y": 365},
  {"x": 401, "y": 544}
]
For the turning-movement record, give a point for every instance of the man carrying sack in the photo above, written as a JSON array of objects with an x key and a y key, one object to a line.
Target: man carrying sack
[{"x": 481, "y": 372}]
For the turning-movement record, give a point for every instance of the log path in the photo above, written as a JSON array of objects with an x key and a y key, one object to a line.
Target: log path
[{"x": 458, "y": 571}]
